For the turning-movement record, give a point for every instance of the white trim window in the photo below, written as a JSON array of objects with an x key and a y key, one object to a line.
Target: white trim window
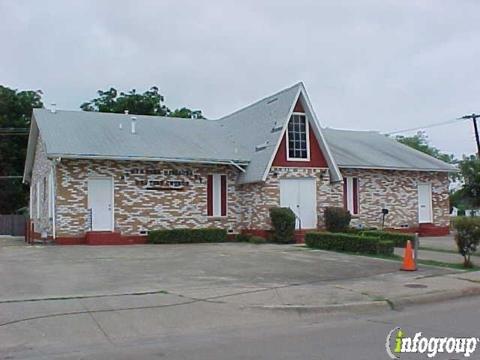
[
  {"x": 350, "y": 194},
  {"x": 37, "y": 207},
  {"x": 298, "y": 144},
  {"x": 217, "y": 195}
]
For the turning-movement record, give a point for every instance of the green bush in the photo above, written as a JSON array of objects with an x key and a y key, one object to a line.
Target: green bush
[
  {"x": 179, "y": 236},
  {"x": 337, "y": 219},
  {"x": 467, "y": 237},
  {"x": 283, "y": 222},
  {"x": 243, "y": 238},
  {"x": 399, "y": 239},
  {"x": 257, "y": 240},
  {"x": 348, "y": 243}
]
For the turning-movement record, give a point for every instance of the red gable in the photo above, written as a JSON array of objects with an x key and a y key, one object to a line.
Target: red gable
[{"x": 316, "y": 156}]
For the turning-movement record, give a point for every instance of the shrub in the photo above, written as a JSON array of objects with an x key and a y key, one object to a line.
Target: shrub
[
  {"x": 257, "y": 240},
  {"x": 467, "y": 237},
  {"x": 178, "y": 236},
  {"x": 399, "y": 239},
  {"x": 243, "y": 238},
  {"x": 283, "y": 222},
  {"x": 349, "y": 243},
  {"x": 337, "y": 219}
]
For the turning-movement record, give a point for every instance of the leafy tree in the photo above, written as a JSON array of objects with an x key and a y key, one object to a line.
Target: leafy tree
[
  {"x": 469, "y": 194},
  {"x": 15, "y": 112},
  {"x": 467, "y": 237},
  {"x": 420, "y": 142},
  {"x": 186, "y": 113},
  {"x": 151, "y": 102}
]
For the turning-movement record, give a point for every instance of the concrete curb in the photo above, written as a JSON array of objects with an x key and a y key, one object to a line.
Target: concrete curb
[
  {"x": 378, "y": 305},
  {"x": 434, "y": 297},
  {"x": 348, "y": 307}
]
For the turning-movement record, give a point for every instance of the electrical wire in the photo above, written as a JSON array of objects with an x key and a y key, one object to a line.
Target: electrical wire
[{"x": 451, "y": 121}]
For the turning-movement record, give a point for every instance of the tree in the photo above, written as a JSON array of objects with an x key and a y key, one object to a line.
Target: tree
[
  {"x": 469, "y": 194},
  {"x": 467, "y": 237},
  {"x": 420, "y": 142},
  {"x": 151, "y": 102},
  {"x": 15, "y": 112}
]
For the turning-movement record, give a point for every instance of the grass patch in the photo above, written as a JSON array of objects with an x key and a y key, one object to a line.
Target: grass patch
[
  {"x": 455, "y": 266},
  {"x": 443, "y": 250}
]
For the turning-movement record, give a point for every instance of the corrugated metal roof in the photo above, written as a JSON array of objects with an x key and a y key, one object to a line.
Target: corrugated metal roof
[
  {"x": 370, "y": 149},
  {"x": 248, "y": 136}
]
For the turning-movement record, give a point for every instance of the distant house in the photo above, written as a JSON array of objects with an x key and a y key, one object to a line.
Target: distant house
[{"x": 101, "y": 177}]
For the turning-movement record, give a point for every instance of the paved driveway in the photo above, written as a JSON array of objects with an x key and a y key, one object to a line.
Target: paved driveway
[
  {"x": 55, "y": 271},
  {"x": 57, "y": 300}
]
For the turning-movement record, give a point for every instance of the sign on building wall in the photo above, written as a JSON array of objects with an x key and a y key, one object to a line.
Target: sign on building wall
[{"x": 164, "y": 179}]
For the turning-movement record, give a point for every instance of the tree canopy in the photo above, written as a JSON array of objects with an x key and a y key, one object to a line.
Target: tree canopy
[
  {"x": 420, "y": 142},
  {"x": 15, "y": 112},
  {"x": 151, "y": 102}
]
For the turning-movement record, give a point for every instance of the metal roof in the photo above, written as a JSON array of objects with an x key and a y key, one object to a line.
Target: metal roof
[
  {"x": 372, "y": 150},
  {"x": 248, "y": 137}
]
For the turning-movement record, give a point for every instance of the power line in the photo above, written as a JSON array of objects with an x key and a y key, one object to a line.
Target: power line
[
  {"x": 451, "y": 121},
  {"x": 14, "y": 131}
]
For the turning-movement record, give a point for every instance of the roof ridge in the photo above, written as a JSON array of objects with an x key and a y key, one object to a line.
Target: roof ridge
[
  {"x": 300, "y": 83},
  {"x": 122, "y": 114}
]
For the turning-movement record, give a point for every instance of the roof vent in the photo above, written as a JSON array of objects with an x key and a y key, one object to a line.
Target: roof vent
[
  {"x": 53, "y": 108},
  {"x": 133, "y": 129},
  {"x": 272, "y": 100},
  {"x": 262, "y": 146}
]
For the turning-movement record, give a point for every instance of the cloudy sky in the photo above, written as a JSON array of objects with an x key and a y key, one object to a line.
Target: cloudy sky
[{"x": 367, "y": 64}]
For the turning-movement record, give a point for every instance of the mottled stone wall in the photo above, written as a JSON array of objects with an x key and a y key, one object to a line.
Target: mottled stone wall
[
  {"x": 397, "y": 191},
  {"x": 40, "y": 173},
  {"x": 258, "y": 198},
  {"x": 136, "y": 208}
]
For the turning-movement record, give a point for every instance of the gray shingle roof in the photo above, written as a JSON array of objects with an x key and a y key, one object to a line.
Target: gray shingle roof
[
  {"x": 232, "y": 138},
  {"x": 370, "y": 149}
]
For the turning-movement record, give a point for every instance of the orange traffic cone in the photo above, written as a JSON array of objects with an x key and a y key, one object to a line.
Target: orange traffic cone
[{"x": 408, "y": 260}]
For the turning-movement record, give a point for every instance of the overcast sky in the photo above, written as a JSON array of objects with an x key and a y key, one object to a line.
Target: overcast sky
[{"x": 367, "y": 64}]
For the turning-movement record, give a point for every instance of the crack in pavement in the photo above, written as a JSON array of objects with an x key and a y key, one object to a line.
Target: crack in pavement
[{"x": 191, "y": 300}]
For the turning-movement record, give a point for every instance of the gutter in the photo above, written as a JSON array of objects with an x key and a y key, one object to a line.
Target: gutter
[
  {"x": 395, "y": 168},
  {"x": 142, "y": 158}
]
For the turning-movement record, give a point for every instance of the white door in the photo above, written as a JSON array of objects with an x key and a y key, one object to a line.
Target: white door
[
  {"x": 300, "y": 195},
  {"x": 100, "y": 201},
  {"x": 425, "y": 203}
]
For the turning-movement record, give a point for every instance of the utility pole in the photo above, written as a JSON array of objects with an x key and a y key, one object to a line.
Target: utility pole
[{"x": 475, "y": 126}]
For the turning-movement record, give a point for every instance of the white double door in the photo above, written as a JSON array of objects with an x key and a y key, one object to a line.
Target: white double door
[
  {"x": 100, "y": 203},
  {"x": 300, "y": 195}
]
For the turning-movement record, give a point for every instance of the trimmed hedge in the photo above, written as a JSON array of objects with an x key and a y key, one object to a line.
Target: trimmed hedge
[
  {"x": 257, "y": 240},
  {"x": 283, "y": 222},
  {"x": 349, "y": 243},
  {"x": 337, "y": 219},
  {"x": 399, "y": 239},
  {"x": 182, "y": 236},
  {"x": 243, "y": 237}
]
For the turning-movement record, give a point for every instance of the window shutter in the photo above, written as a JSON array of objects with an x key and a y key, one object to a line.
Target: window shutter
[
  {"x": 345, "y": 206},
  {"x": 223, "y": 192},
  {"x": 210, "y": 195},
  {"x": 355, "y": 195}
]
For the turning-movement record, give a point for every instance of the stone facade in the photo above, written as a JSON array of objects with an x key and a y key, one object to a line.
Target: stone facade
[
  {"x": 40, "y": 183},
  {"x": 137, "y": 209},
  {"x": 397, "y": 191}
]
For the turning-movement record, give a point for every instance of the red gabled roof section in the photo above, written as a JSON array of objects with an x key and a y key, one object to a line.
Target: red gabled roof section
[{"x": 316, "y": 156}]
